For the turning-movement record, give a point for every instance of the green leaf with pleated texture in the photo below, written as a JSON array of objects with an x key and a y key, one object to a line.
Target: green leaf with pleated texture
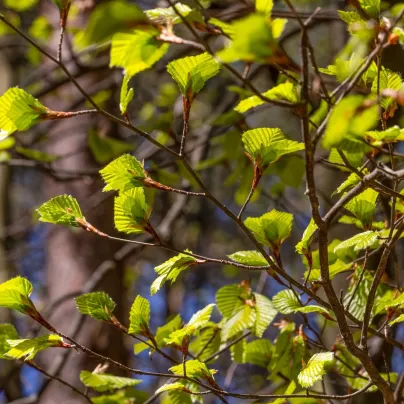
[
  {"x": 286, "y": 302},
  {"x": 314, "y": 309},
  {"x": 388, "y": 80},
  {"x": 266, "y": 145},
  {"x": 136, "y": 51},
  {"x": 131, "y": 211},
  {"x": 355, "y": 158},
  {"x": 196, "y": 323},
  {"x": 254, "y": 258},
  {"x": 191, "y": 73},
  {"x": 349, "y": 183},
  {"x": 258, "y": 352},
  {"x": 359, "y": 241},
  {"x": 237, "y": 350},
  {"x": 126, "y": 95},
  {"x": 363, "y": 206},
  {"x": 285, "y": 92},
  {"x": 390, "y": 135},
  {"x": 335, "y": 268},
  {"x": 265, "y": 314},
  {"x": 350, "y": 17},
  {"x": 172, "y": 386},
  {"x": 264, "y": 6},
  {"x": 123, "y": 174},
  {"x": 14, "y": 294},
  {"x": 26, "y": 349},
  {"x": 315, "y": 369},
  {"x": 62, "y": 209},
  {"x": 228, "y": 300},
  {"x": 170, "y": 270},
  {"x": 399, "y": 319},
  {"x": 106, "y": 382},
  {"x": 243, "y": 319},
  {"x": 98, "y": 305},
  {"x": 7, "y": 331},
  {"x": 139, "y": 316},
  {"x": 194, "y": 368},
  {"x": 128, "y": 395},
  {"x": 181, "y": 397},
  {"x": 371, "y": 7},
  {"x": 271, "y": 228},
  {"x": 342, "y": 69},
  {"x": 206, "y": 343},
  {"x": 351, "y": 117},
  {"x": 18, "y": 111},
  {"x": 304, "y": 244},
  {"x": 169, "y": 16}
]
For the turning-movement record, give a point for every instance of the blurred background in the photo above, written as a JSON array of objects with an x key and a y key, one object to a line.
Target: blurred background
[{"x": 63, "y": 157}]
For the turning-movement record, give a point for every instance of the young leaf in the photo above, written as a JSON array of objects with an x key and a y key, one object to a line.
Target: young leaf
[
  {"x": 139, "y": 316},
  {"x": 62, "y": 209},
  {"x": 304, "y": 244},
  {"x": 27, "y": 348},
  {"x": 264, "y": 6},
  {"x": 244, "y": 319},
  {"x": 286, "y": 302},
  {"x": 106, "y": 382},
  {"x": 14, "y": 294},
  {"x": 207, "y": 343},
  {"x": 258, "y": 352},
  {"x": 371, "y": 7},
  {"x": 363, "y": 206},
  {"x": 123, "y": 174},
  {"x": 191, "y": 73},
  {"x": 172, "y": 386},
  {"x": 18, "y": 111},
  {"x": 137, "y": 51},
  {"x": 98, "y": 305},
  {"x": 7, "y": 332},
  {"x": 266, "y": 145},
  {"x": 350, "y": 182},
  {"x": 285, "y": 91},
  {"x": 194, "y": 368},
  {"x": 169, "y": 16},
  {"x": 228, "y": 300},
  {"x": 315, "y": 369},
  {"x": 390, "y": 135},
  {"x": 170, "y": 270},
  {"x": 359, "y": 241},
  {"x": 126, "y": 95},
  {"x": 254, "y": 258},
  {"x": 131, "y": 212},
  {"x": 388, "y": 80},
  {"x": 265, "y": 314}
]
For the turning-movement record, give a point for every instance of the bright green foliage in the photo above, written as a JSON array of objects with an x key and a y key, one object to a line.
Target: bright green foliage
[
  {"x": 36, "y": 155},
  {"x": 194, "y": 368},
  {"x": 107, "y": 19},
  {"x": 131, "y": 212},
  {"x": 286, "y": 302},
  {"x": 14, "y": 294},
  {"x": 371, "y": 7},
  {"x": 265, "y": 314},
  {"x": 136, "y": 51},
  {"x": 355, "y": 158},
  {"x": 128, "y": 395},
  {"x": 335, "y": 268},
  {"x": 26, "y": 349},
  {"x": 172, "y": 386},
  {"x": 123, "y": 174},
  {"x": 342, "y": 69},
  {"x": 264, "y": 6},
  {"x": 285, "y": 91},
  {"x": 104, "y": 148},
  {"x": 390, "y": 135},
  {"x": 106, "y": 382},
  {"x": 98, "y": 305},
  {"x": 139, "y": 316},
  {"x": 350, "y": 17},
  {"x": 290, "y": 390},
  {"x": 7, "y": 332},
  {"x": 359, "y": 241},
  {"x": 258, "y": 352},
  {"x": 169, "y": 16},
  {"x": 349, "y": 183},
  {"x": 18, "y": 111},
  {"x": 196, "y": 323},
  {"x": 303, "y": 247},
  {"x": 22, "y": 5},
  {"x": 207, "y": 342},
  {"x": 388, "y": 80},
  {"x": 253, "y": 40},
  {"x": 271, "y": 228},
  {"x": 170, "y": 270},
  {"x": 399, "y": 319},
  {"x": 315, "y": 369},
  {"x": 254, "y": 258},
  {"x": 350, "y": 118},
  {"x": 62, "y": 209},
  {"x": 266, "y": 145},
  {"x": 356, "y": 222},
  {"x": 126, "y": 95},
  {"x": 363, "y": 206},
  {"x": 191, "y": 73},
  {"x": 226, "y": 27}
]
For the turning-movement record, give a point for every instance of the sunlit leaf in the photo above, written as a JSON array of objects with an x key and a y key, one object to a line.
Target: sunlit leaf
[
  {"x": 254, "y": 258},
  {"x": 304, "y": 244},
  {"x": 126, "y": 95},
  {"x": 62, "y": 209},
  {"x": 14, "y": 294},
  {"x": 139, "y": 316},
  {"x": 169, "y": 16},
  {"x": 106, "y": 382},
  {"x": 194, "y": 368},
  {"x": 315, "y": 369},
  {"x": 7, "y": 331},
  {"x": 96, "y": 304}
]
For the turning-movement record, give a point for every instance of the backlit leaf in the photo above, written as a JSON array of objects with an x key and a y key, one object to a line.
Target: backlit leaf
[
  {"x": 62, "y": 209},
  {"x": 26, "y": 349},
  {"x": 7, "y": 331},
  {"x": 106, "y": 382},
  {"x": 96, "y": 304},
  {"x": 14, "y": 294},
  {"x": 315, "y": 369},
  {"x": 139, "y": 315}
]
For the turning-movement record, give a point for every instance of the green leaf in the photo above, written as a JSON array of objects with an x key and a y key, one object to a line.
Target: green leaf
[
  {"x": 354, "y": 158},
  {"x": 371, "y": 7},
  {"x": 228, "y": 300},
  {"x": 390, "y": 135},
  {"x": 363, "y": 206},
  {"x": 349, "y": 183},
  {"x": 266, "y": 145},
  {"x": 254, "y": 258},
  {"x": 104, "y": 148},
  {"x": 191, "y": 73},
  {"x": 335, "y": 268},
  {"x": 137, "y": 51},
  {"x": 131, "y": 212},
  {"x": 126, "y": 95},
  {"x": 350, "y": 118},
  {"x": 172, "y": 386},
  {"x": 315, "y": 369},
  {"x": 258, "y": 352},
  {"x": 35, "y": 155},
  {"x": 139, "y": 316},
  {"x": 7, "y": 331},
  {"x": 264, "y": 6},
  {"x": 108, "y": 18},
  {"x": 169, "y": 16},
  {"x": 303, "y": 246},
  {"x": 399, "y": 319},
  {"x": 22, "y": 5},
  {"x": 388, "y": 80},
  {"x": 265, "y": 314},
  {"x": 106, "y": 382},
  {"x": 206, "y": 343},
  {"x": 26, "y": 349},
  {"x": 289, "y": 390},
  {"x": 170, "y": 270},
  {"x": 314, "y": 309},
  {"x": 18, "y": 111},
  {"x": 98, "y": 305},
  {"x": 14, "y": 294},
  {"x": 242, "y": 320},
  {"x": 271, "y": 228},
  {"x": 350, "y": 17},
  {"x": 123, "y": 174},
  {"x": 285, "y": 91},
  {"x": 194, "y": 368},
  {"x": 342, "y": 69},
  {"x": 286, "y": 302},
  {"x": 62, "y": 209},
  {"x": 359, "y": 241}
]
